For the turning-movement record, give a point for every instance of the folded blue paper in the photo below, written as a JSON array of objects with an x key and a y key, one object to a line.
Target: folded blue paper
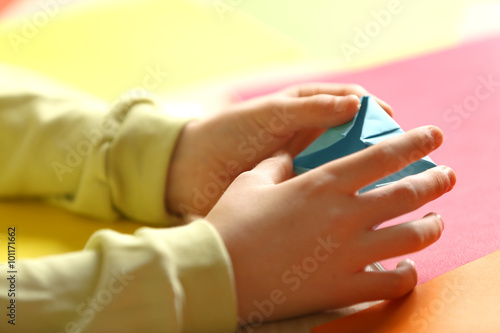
[{"x": 371, "y": 125}]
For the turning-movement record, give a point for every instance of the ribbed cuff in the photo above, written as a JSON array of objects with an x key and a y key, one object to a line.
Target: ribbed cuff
[
  {"x": 204, "y": 270},
  {"x": 138, "y": 159}
]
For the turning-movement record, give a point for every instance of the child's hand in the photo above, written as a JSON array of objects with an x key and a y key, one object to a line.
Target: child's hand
[
  {"x": 212, "y": 152},
  {"x": 300, "y": 245}
]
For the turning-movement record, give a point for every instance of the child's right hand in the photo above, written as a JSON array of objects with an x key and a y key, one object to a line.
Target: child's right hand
[{"x": 300, "y": 244}]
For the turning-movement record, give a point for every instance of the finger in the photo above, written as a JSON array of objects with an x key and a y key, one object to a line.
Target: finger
[
  {"x": 319, "y": 111},
  {"x": 301, "y": 140},
  {"x": 406, "y": 195},
  {"x": 338, "y": 89},
  {"x": 386, "y": 285},
  {"x": 273, "y": 170},
  {"x": 401, "y": 239},
  {"x": 360, "y": 169}
]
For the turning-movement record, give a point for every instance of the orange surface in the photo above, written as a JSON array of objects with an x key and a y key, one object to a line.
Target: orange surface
[{"x": 466, "y": 299}]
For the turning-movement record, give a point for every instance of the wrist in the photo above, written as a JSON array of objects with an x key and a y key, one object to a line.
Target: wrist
[{"x": 182, "y": 172}]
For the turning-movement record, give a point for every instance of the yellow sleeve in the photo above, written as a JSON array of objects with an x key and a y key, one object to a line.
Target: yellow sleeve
[
  {"x": 77, "y": 152},
  {"x": 157, "y": 280},
  {"x": 81, "y": 154}
]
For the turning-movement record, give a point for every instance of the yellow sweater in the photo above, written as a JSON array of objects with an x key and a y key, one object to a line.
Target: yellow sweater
[{"x": 78, "y": 153}]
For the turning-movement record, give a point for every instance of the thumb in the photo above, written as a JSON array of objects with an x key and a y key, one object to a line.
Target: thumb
[
  {"x": 322, "y": 111},
  {"x": 273, "y": 170}
]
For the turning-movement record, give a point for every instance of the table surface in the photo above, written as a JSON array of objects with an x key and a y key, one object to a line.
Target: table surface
[{"x": 255, "y": 39}]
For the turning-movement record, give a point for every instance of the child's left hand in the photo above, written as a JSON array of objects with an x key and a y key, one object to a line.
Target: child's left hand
[{"x": 212, "y": 152}]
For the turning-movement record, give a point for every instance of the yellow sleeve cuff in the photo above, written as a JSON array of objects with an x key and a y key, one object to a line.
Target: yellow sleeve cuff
[
  {"x": 138, "y": 161},
  {"x": 185, "y": 271}
]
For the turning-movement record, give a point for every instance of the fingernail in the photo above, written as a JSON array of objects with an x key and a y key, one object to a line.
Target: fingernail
[
  {"x": 280, "y": 153},
  {"x": 439, "y": 218},
  {"x": 411, "y": 262},
  {"x": 347, "y": 100},
  {"x": 408, "y": 261},
  {"x": 441, "y": 222},
  {"x": 358, "y": 101},
  {"x": 436, "y": 136},
  {"x": 451, "y": 176}
]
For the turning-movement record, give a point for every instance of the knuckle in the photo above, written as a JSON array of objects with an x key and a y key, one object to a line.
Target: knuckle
[
  {"x": 414, "y": 237},
  {"x": 318, "y": 182},
  {"x": 406, "y": 193},
  {"x": 319, "y": 103},
  {"x": 292, "y": 91},
  {"x": 276, "y": 102},
  {"x": 383, "y": 154},
  {"x": 354, "y": 88},
  {"x": 246, "y": 177},
  {"x": 405, "y": 149},
  {"x": 301, "y": 90},
  {"x": 310, "y": 90}
]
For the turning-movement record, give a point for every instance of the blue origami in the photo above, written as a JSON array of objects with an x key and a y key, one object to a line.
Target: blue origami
[{"x": 371, "y": 125}]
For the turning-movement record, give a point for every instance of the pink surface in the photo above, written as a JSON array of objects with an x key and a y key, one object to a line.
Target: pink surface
[{"x": 425, "y": 90}]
